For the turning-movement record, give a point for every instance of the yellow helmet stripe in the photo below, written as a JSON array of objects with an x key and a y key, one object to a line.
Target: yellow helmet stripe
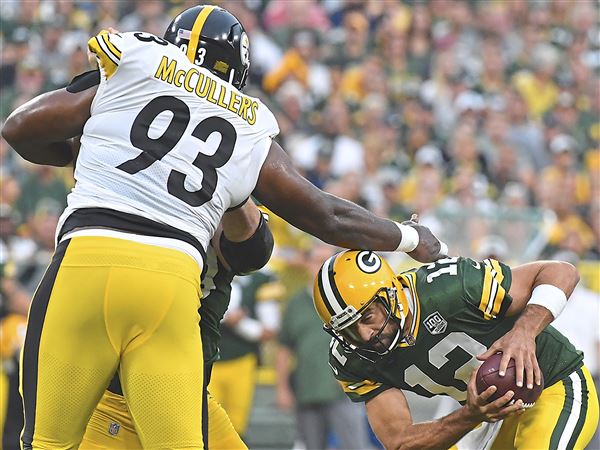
[
  {"x": 196, "y": 30},
  {"x": 331, "y": 296}
]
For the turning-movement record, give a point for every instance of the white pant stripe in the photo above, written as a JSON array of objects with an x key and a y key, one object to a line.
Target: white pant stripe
[{"x": 575, "y": 412}]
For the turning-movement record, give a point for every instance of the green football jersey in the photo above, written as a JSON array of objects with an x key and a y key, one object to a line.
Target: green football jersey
[
  {"x": 216, "y": 289},
  {"x": 458, "y": 307}
]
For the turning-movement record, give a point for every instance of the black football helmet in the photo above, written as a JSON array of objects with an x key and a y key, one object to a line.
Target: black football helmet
[{"x": 213, "y": 38}]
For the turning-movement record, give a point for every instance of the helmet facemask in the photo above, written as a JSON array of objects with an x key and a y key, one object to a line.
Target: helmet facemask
[{"x": 343, "y": 326}]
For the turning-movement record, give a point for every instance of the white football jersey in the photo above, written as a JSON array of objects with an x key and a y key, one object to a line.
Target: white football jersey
[{"x": 167, "y": 140}]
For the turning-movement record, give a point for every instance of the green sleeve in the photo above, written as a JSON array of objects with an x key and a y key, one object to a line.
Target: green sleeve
[{"x": 357, "y": 388}]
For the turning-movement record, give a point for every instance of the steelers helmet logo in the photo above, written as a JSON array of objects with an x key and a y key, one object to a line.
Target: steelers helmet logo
[
  {"x": 368, "y": 262},
  {"x": 245, "y": 49}
]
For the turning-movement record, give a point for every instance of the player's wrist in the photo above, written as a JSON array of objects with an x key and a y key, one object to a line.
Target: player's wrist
[
  {"x": 549, "y": 297},
  {"x": 409, "y": 240},
  {"x": 470, "y": 415}
]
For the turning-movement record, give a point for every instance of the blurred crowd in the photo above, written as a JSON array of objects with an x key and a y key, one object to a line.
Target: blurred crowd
[{"x": 481, "y": 116}]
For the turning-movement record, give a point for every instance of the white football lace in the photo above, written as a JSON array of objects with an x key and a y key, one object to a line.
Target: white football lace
[{"x": 525, "y": 405}]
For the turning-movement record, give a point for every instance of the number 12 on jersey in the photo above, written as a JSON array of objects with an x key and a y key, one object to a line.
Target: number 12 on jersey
[{"x": 448, "y": 266}]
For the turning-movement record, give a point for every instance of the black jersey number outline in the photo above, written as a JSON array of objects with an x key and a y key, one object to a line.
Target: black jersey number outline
[
  {"x": 154, "y": 149},
  {"x": 147, "y": 37}
]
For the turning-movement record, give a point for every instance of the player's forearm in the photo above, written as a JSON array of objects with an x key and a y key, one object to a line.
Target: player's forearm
[
  {"x": 440, "y": 433},
  {"x": 341, "y": 223},
  {"x": 350, "y": 226},
  {"x": 533, "y": 320},
  {"x": 336, "y": 221}
]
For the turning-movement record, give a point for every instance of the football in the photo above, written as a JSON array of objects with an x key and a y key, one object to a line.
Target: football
[{"x": 487, "y": 376}]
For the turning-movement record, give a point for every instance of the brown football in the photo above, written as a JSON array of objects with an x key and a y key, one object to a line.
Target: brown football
[{"x": 487, "y": 376}]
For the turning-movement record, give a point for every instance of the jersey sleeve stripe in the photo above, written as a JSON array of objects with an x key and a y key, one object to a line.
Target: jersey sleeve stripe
[
  {"x": 196, "y": 30},
  {"x": 106, "y": 62},
  {"x": 360, "y": 388},
  {"x": 492, "y": 298},
  {"x": 498, "y": 269},
  {"x": 111, "y": 46},
  {"x": 498, "y": 300},
  {"x": 493, "y": 294},
  {"x": 107, "y": 51},
  {"x": 485, "y": 295}
]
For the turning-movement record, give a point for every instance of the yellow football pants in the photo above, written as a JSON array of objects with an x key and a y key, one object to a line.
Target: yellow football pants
[
  {"x": 564, "y": 417},
  {"x": 111, "y": 427},
  {"x": 232, "y": 384},
  {"x": 107, "y": 302}
]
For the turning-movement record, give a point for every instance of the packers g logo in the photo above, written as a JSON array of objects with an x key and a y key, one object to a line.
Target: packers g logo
[{"x": 368, "y": 262}]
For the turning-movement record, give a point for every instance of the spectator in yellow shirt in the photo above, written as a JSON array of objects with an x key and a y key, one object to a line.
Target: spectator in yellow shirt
[{"x": 538, "y": 87}]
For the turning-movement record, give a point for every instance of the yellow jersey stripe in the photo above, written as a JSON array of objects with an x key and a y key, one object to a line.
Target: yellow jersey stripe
[
  {"x": 196, "y": 30},
  {"x": 113, "y": 49},
  {"x": 485, "y": 295},
  {"x": 498, "y": 292},
  {"x": 360, "y": 388},
  {"x": 107, "y": 62},
  {"x": 498, "y": 269}
]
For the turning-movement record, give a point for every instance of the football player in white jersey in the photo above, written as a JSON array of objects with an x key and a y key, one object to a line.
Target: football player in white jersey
[{"x": 169, "y": 143}]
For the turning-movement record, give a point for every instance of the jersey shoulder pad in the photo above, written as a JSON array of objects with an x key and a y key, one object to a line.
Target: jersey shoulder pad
[
  {"x": 108, "y": 49},
  {"x": 486, "y": 285}
]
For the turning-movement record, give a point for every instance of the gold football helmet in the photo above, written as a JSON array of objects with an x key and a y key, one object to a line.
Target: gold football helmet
[{"x": 346, "y": 285}]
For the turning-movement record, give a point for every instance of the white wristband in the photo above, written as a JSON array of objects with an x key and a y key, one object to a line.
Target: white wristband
[
  {"x": 550, "y": 297},
  {"x": 410, "y": 238}
]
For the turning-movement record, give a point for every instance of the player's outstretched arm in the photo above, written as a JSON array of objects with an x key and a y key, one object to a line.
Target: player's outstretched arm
[
  {"x": 390, "y": 418},
  {"x": 539, "y": 292},
  {"x": 40, "y": 129},
  {"x": 336, "y": 221}
]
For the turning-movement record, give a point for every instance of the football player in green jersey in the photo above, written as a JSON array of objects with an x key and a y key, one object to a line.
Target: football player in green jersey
[{"x": 426, "y": 330}]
